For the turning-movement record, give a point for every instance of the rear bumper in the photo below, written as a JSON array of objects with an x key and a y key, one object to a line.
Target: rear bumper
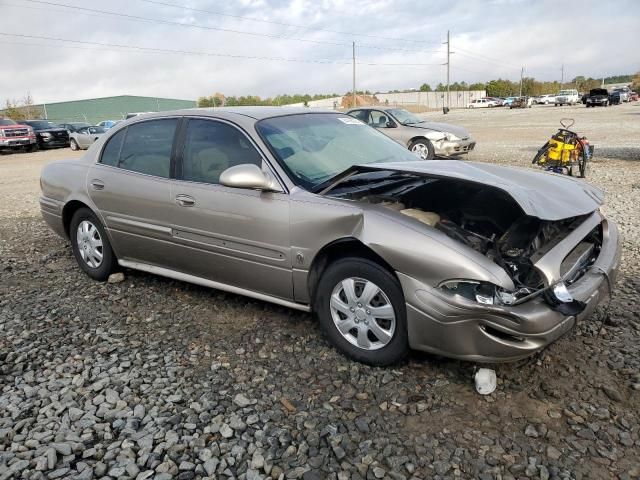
[
  {"x": 450, "y": 148},
  {"x": 453, "y": 326},
  {"x": 52, "y": 214}
]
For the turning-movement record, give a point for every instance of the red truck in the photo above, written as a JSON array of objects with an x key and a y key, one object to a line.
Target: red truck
[{"x": 14, "y": 136}]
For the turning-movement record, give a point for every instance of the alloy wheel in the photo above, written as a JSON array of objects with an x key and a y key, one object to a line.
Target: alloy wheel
[
  {"x": 421, "y": 149},
  {"x": 362, "y": 313},
  {"x": 89, "y": 244}
]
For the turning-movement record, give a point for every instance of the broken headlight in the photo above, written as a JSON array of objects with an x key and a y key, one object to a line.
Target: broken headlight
[{"x": 484, "y": 293}]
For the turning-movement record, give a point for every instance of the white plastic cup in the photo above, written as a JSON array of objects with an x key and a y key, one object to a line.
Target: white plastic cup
[{"x": 485, "y": 379}]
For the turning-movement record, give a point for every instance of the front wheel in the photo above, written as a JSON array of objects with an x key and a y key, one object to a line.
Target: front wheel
[
  {"x": 361, "y": 310},
  {"x": 74, "y": 145},
  {"x": 91, "y": 246},
  {"x": 424, "y": 148}
]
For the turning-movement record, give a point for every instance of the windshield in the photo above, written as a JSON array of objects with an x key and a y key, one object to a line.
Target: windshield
[
  {"x": 6, "y": 121},
  {"x": 41, "y": 124},
  {"x": 315, "y": 147},
  {"x": 566, "y": 92},
  {"x": 404, "y": 117}
]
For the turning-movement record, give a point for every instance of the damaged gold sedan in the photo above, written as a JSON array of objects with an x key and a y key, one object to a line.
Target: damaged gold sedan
[{"x": 320, "y": 212}]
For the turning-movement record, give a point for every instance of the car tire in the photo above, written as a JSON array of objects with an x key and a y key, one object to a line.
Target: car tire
[
  {"x": 372, "y": 340},
  {"x": 91, "y": 246},
  {"x": 424, "y": 148},
  {"x": 73, "y": 145},
  {"x": 33, "y": 148}
]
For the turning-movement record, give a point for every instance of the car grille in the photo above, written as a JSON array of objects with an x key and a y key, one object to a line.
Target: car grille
[
  {"x": 16, "y": 132},
  {"x": 464, "y": 148}
]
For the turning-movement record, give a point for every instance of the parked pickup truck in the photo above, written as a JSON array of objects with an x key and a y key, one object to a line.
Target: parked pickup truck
[
  {"x": 567, "y": 97},
  {"x": 14, "y": 136}
]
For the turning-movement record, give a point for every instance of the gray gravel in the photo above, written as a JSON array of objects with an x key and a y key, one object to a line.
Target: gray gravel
[{"x": 152, "y": 378}]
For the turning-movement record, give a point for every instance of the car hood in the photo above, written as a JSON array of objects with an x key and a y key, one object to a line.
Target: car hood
[
  {"x": 51, "y": 130},
  {"x": 459, "y": 132},
  {"x": 547, "y": 196}
]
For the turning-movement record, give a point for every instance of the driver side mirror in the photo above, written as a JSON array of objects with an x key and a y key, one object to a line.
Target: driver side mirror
[
  {"x": 391, "y": 124},
  {"x": 248, "y": 175}
]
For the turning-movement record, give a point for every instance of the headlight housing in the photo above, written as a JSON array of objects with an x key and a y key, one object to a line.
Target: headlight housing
[
  {"x": 45, "y": 134},
  {"x": 484, "y": 293}
]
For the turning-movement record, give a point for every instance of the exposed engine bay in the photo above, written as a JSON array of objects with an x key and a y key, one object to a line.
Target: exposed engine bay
[{"x": 489, "y": 221}]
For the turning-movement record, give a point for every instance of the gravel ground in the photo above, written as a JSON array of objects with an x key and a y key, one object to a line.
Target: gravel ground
[{"x": 153, "y": 378}]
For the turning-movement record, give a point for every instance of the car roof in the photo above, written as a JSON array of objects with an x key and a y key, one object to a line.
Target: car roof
[{"x": 256, "y": 113}]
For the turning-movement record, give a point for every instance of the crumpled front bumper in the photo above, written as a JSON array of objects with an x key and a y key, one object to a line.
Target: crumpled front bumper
[
  {"x": 450, "y": 148},
  {"x": 453, "y": 326}
]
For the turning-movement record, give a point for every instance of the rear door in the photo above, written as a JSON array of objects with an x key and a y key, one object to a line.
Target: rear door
[
  {"x": 234, "y": 236},
  {"x": 130, "y": 185}
]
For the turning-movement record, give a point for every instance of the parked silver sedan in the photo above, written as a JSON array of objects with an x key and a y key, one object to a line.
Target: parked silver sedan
[
  {"x": 319, "y": 212},
  {"x": 428, "y": 139},
  {"x": 84, "y": 137}
]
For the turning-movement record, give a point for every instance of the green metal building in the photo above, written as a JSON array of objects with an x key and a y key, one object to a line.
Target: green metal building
[{"x": 96, "y": 110}]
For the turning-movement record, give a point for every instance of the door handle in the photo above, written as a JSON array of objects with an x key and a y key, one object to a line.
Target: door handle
[
  {"x": 185, "y": 200},
  {"x": 97, "y": 184}
]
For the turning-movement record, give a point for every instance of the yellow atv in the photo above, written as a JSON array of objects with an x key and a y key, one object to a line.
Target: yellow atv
[{"x": 565, "y": 150}]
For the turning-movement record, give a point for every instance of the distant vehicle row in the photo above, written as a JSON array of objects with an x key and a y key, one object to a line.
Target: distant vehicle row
[
  {"x": 40, "y": 134},
  {"x": 596, "y": 97}
]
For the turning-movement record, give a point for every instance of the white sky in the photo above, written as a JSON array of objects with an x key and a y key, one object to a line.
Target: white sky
[{"x": 491, "y": 39}]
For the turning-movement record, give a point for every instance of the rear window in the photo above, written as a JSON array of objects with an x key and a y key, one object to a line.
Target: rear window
[
  {"x": 111, "y": 152},
  {"x": 147, "y": 147},
  {"x": 143, "y": 147}
]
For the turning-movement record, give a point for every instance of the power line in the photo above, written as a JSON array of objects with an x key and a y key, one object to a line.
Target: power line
[
  {"x": 208, "y": 54},
  {"x": 208, "y": 27},
  {"x": 284, "y": 24},
  {"x": 470, "y": 54}
]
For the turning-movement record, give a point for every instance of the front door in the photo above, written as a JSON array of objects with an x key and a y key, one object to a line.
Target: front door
[
  {"x": 234, "y": 236},
  {"x": 130, "y": 186}
]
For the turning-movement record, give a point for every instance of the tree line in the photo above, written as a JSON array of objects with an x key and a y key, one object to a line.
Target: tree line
[
  {"x": 494, "y": 88},
  {"x": 219, "y": 100}
]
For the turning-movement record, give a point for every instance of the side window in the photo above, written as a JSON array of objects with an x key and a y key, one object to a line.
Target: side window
[
  {"x": 362, "y": 115},
  {"x": 147, "y": 147},
  {"x": 378, "y": 119},
  {"x": 211, "y": 147},
  {"x": 111, "y": 152}
]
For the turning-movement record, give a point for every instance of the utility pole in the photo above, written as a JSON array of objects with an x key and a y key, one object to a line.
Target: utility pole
[
  {"x": 521, "y": 75},
  {"x": 354, "y": 75},
  {"x": 448, "y": 68},
  {"x": 562, "y": 77}
]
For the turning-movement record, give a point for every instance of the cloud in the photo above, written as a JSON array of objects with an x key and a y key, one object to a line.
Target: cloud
[{"x": 489, "y": 40}]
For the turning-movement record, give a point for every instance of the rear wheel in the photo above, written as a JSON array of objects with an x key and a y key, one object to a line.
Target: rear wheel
[
  {"x": 424, "y": 148},
  {"x": 362, "y": 312},
  {"x": 91, "y": 245}
]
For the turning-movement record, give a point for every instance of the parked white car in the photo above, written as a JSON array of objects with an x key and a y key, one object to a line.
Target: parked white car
[
  {"x": 567, "y": 97},
  {"x": 545, "y": 99},
  {"x": 482, "y": 103},
  {"x": 624, "y": 93}
]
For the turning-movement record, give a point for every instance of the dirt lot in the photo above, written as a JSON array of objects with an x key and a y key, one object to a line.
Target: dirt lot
[{"x": 156, "y": 378}]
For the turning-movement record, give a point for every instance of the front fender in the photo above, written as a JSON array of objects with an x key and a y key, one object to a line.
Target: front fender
[
  {"x": 425, "y": 253},
  {"x": 407, "y": 245}
]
